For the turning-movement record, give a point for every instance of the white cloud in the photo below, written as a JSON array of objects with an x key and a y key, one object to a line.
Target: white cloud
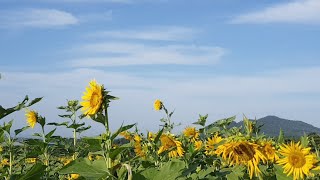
[
  {"x": 93, "y": 17},
  {"x": 162, "y": 33},
  {"x": 220, "y": 96},
  {"x": 39, "y": 18},
  {"x": 298, "y": 11},
  {"x": 121, "y": 54}
]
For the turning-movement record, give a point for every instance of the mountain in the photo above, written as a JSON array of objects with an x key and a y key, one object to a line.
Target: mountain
[{"x": 272, "y": 124}]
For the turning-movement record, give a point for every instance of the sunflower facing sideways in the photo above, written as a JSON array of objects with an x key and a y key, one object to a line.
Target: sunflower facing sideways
[
  {"x": 242, "y": 153},
  {"x": 92, "y": 98},
  {"x": 211, "y": 143},
  {"x": 296, "y": 160},
  {"x": 170, "y": 144},
  {"x": 32, "y": 117}
]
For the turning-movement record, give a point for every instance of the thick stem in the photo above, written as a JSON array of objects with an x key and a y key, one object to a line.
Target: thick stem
[
  {"x": 108, "y": 142},
  {"x": 74, "y": 143},
  {"x": 10, "y": 162}
]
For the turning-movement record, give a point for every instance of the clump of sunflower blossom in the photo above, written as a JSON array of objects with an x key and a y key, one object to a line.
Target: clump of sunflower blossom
[
  {"x": 151, "y": 136},
  {"x": 210, "y": 144},
  {"x": 92, "y": 98},
  {"x": 31, "y": 160},
  {"x": 32, "y": 118},
  {"x": 73, "y": 176},
  {"x": 126, "y": 135},
  {"x": 296, "y": 160},
  {"x": 157, "y": 105},
  {"x": 191, "y": 133},
  {"x": 139, "y": 149},
  {"x": 168, "y": 143},
  {"x": 242, "y": 153},
  {"x": 269, "y": 150},
  {"x": 197, "y": 145},
  {"x": 5, "y": 162}
]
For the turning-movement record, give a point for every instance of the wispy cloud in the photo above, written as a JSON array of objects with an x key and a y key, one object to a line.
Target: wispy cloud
[
  {"x": 298, "y": 11},
  {"x": 122, "y": 54},
  {"x": 38, "y": 18},
  {"x": 162, "y": 33}
]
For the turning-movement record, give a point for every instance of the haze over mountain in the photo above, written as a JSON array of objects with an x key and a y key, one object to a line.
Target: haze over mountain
[{"x": 292, "y": 128}]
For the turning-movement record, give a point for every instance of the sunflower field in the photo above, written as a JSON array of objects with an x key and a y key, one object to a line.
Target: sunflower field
[{"x": 202, "y": 151}]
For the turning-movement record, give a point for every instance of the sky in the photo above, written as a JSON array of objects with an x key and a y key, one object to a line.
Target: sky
[{"x": 222, "y": 58}]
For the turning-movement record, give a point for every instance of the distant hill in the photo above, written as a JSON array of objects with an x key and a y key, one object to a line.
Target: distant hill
[{"x": 272, "y": 124}]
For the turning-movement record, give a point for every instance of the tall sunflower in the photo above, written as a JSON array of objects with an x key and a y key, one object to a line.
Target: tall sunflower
[
  {"x": 296, "y": 160},
  {"x": 92, "y": 98},
  {"x": 157, "y": 105},
  {"x": 210, "y": 144},
  {"x": 32, "y": 117},
  {"x": 170, "y": 144},
  {"x": 191, "y": 133},
  {"x": 242, "y": 153}
]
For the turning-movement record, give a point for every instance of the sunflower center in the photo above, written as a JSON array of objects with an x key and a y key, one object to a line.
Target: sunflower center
[
  {"x": 297, "y": 159},
  {"x": 244, "y": 151},
  {"x": 94, "y": 101}
]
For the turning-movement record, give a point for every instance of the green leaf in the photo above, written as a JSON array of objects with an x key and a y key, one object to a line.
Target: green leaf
[
  {"x": 18, "y": 131},
  {"x": 65, "y": 115},
  {"x": 86, "y": 168},
  {"x": 280, "y": 174},
  {"x": 118, "y": 150},
  {"x": 34, "y": 101},
  {"x": 58, "y": 124},
  {"x": 50, "y": 133},
  {"x": 94, "y": 143},
  {"x": 35, "y": 172},
  {"x": 121, "y": 129},
  {"x": 281, "y": 137},
  {"x": 76, "y": 126},
  {"x": 237, "y": 173},
  {"x": 4, "y": 112},
  {"x": 79, "y": 130},
  {"x": 158, "y": 136}
]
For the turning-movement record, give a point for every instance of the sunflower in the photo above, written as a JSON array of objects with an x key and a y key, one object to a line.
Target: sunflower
[
  {"x": 296, "y": 160},
  {"x": 126, "y": 135},
  {"x": 197, "y": 145},
  {"x": 92, "y": 98},
  {"x": 170, "y": 144},
  {"x": 140, "y": 149},
  {"x": 73, "y": 176},
  {"x": 157, "y": 105},
  {"x": 269, "y": 151},
  {"x": 211, "y": 143},
  {"x": 242, "y": 153},
  {"x": 151, "y": 136},
  {"x": 31, "y": 160},
  {"x": 32, "y": 117},
  {"x": 5, "y": 162},
  {"x": 191, "y": 133}
]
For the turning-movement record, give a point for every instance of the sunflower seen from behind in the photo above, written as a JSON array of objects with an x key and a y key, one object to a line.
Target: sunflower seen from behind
[
  {"x": 296, "y": 160},
  {"x": 32, "y": 117},
  {"x": 92, "y": 98}
]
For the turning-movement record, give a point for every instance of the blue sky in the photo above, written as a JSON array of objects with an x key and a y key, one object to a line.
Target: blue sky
[{"x": 224, "y": 58}]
